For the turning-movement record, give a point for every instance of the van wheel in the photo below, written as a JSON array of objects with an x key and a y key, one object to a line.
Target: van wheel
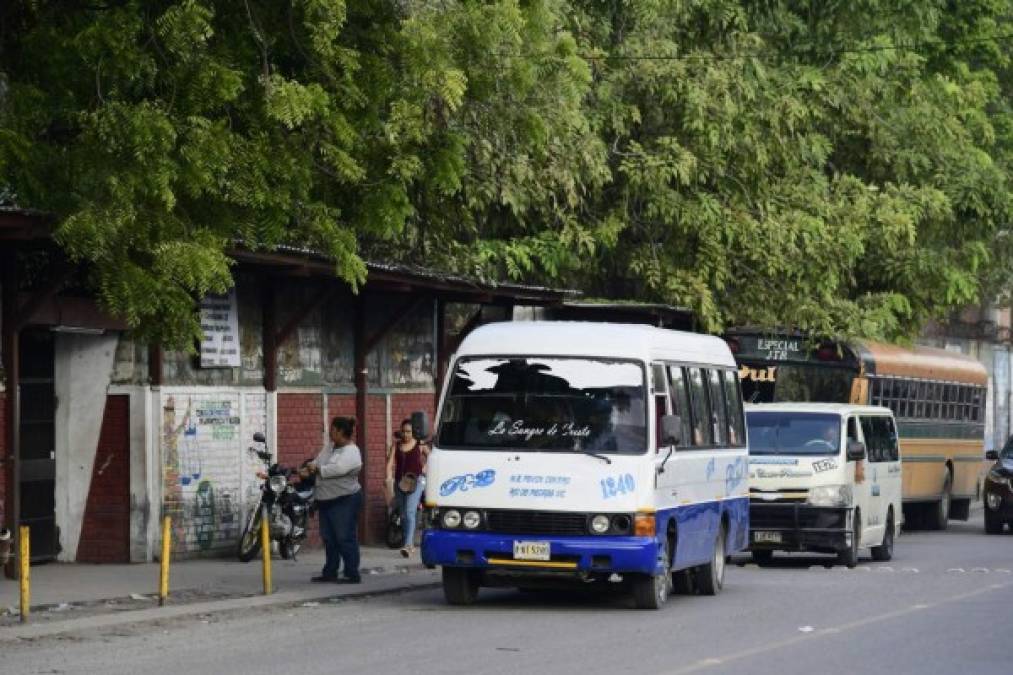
[
  {"x": 938, "y": 515},
  {"x": 762, "y": 556},
  {"x": 993, "y": 523},
  {"x": 884, "y": 551},
  {"x": 849, "y": 556},
  {"x": 710, "y": 578},
  {"x": 650, "y": 591},
  {"x": 460, "y": 585},
  {"x": 682, "y": 583}
]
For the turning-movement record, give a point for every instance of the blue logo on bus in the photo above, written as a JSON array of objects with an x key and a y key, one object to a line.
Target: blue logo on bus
[{"x": 467, "y": 482}]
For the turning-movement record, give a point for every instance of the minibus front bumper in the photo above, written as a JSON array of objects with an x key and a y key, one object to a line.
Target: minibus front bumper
[
  {"x": 574, "y": 555},
  {"x": 799, "y": 527}
]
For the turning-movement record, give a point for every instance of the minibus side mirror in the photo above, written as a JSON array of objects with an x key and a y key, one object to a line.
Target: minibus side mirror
[
  {"x": 992, "y": 455},
  {"x": 856, "y": 450},
  {"x": 420, "y": 424},
  {"x": 259, "y": 438},
  {"x": 671, "y": 429}
]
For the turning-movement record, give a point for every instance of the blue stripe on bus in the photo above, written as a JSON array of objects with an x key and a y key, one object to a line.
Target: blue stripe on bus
[{"x": 697, "y": 525}]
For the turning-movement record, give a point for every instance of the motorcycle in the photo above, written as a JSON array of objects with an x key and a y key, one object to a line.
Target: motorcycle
[{"x": 288, "y": 508}]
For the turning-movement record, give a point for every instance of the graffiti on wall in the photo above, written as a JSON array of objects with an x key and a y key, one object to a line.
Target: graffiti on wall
[{"x": 207, "y": 469}]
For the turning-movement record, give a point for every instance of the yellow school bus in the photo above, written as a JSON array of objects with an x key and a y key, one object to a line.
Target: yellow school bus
[{"x": 937, "y": 396}]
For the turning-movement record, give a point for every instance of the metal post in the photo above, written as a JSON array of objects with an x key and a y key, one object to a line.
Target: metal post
[
  {"x": 361, "y": 394},
  {"x": 163, "y": 577},
  {"x": 11, "y": 363},
  {"x": 265, "y": 548},
  {"x": 25, "y": 555}
]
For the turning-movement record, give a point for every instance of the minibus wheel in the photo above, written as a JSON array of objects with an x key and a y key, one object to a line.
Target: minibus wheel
[
  {"x": 460, "y": 585},
  {"x": 711, "y": 577},
  {"x": 650, "y": 591}
]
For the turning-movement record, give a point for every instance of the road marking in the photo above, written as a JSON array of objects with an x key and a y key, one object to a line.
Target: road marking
[
  {"x": 956, "y": 569},
  {"x": 703, "y": 664}
]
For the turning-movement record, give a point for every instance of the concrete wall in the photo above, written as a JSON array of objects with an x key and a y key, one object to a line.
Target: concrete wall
[
  {"x": 83, "y": 368},
  {"x": 208, "y": 476}
]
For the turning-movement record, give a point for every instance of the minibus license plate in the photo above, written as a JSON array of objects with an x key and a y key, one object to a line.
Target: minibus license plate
[
  {"x": 531, "y": 550},
  {"x": 767, "y": 537}
]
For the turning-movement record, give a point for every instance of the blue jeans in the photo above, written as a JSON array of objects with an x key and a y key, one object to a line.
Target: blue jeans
[
  {"x": 339, "y": 519},
  {"x": 411, "y": 510}
]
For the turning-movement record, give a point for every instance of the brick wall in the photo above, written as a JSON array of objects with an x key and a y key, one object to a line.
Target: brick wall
[
  {"x": 300, "y": 427},
  {"x": 402, "y": 405},
  {"x": 105, "y": 532}
]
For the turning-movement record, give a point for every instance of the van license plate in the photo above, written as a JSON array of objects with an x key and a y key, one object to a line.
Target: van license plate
[
  {"x": 762, "y": 537},
  {"x": 531, "y": 550}
]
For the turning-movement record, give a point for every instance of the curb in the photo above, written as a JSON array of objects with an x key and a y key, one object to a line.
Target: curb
[{"x": 389, "y": 585}]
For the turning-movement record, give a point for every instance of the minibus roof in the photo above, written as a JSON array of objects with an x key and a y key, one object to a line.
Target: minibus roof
[
  {"x": 826, "y": 408},
  {"x": 596, "y": 340}
]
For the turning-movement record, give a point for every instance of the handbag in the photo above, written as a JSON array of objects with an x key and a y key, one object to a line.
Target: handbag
[{"x": 408, "y": 483}]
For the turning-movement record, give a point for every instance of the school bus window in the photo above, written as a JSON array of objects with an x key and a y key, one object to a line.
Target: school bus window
[
  {"x": 701, "y": 411},
  {"x": 719, "y": 413},
  {"x": 976, "y": 404},
  {"x": 680, "y": 403}
]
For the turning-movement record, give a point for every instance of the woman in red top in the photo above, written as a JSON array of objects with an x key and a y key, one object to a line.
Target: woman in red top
[{"x": 406, "y": 467}]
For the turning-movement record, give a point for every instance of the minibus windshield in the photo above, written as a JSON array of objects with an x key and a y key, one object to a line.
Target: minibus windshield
[
  {"x": 544, "y": 405},
  {"x": 793, "y": 433}
]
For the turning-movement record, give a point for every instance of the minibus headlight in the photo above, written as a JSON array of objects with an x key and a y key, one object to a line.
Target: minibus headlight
[
  {"x": 451, "y": 519},
  {"x": 471, "y": 520},
  {"x": 600, "y": 524},
  {"x": 830, "y": 495}
]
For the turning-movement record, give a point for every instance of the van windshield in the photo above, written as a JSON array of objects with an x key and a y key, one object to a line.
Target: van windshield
[
  {"x": 791, "y": 433},
  {"x": 546, "y": 404}
]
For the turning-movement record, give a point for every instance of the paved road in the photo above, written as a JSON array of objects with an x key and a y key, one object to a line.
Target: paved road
[{"x": 943, "y": 605}]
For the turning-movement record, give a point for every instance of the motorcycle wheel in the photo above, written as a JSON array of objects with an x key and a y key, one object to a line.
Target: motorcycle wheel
[
  {"x": 249, "y": 543},
  {"x": 289, "y": 551}
]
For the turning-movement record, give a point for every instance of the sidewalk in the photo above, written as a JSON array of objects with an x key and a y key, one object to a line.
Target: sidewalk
[{"x": 66, "y": 587}]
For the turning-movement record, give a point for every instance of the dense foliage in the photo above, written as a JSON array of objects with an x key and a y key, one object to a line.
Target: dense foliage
[{"x": 838, "y": 166}]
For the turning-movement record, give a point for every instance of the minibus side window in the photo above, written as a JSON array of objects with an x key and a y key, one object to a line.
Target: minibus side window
[
  {"x": 680, "y": 404},
  {"x": 701, "y": 408},
  {"x": 719, "y": 414},
  {"x": 733, "y": 397},
  {"x": 659, "y": 387}
]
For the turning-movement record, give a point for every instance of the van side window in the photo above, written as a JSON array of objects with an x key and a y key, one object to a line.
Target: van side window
[
  {"x": 680, "y": 404},
  {"x": 852, "y": 429},
  {"x": 700, "y": 406},
  {"x": 871, "y": 441},
  {"x": 719, "y": 414},
  {"x": 890, "y": 439},
  {"x": 733, "y": 399},
  {"x": 659, "y": 386},
  {"x": 880, "y": 439}
]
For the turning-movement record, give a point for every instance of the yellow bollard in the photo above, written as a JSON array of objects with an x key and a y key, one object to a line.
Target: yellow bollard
[
  {"x": 265, "y": 549},
  {"x": 25, "y": 557},
  {"x": 163, "y": 578}
]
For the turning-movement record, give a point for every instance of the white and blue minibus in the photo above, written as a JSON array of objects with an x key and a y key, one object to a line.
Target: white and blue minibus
[{"x": 588, "y": 453}]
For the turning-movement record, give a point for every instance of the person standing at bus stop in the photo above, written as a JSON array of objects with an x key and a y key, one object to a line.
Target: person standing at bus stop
[
  {"x": 339, "y": 501},
  {"x": 406, "y": 467}
]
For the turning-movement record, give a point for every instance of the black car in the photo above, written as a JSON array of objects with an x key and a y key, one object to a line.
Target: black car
[{"x": 999, "y": 489}]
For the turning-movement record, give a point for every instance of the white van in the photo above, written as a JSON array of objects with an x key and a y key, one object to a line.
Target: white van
[
  {"x": 824, "y": 478},
  {"x": 587, "y": 452}
]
